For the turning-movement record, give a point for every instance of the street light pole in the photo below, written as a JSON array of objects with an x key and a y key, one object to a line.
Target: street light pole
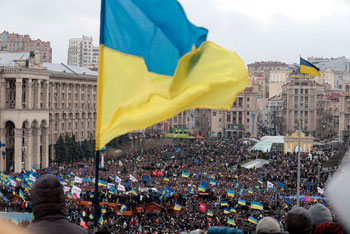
[{"x": 299, "y": 143}]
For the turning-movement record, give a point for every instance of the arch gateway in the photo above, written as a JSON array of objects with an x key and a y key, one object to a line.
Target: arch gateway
[{"x": 38, "y": 104}]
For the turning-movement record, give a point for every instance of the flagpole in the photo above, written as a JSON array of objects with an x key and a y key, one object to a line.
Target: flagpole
[
  {"x": 96, "y": 200},
  {"x": 299, "y": 141}
]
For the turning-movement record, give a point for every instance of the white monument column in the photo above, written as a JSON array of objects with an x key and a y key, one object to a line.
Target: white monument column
[{"x": 29, "y": 94}]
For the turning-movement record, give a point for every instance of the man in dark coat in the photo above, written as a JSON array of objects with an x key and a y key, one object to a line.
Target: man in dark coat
[{"x": 49, "y": 208}]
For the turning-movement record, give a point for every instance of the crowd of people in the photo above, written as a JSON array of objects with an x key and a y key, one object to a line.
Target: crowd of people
[{"x": 199, "y": 184}]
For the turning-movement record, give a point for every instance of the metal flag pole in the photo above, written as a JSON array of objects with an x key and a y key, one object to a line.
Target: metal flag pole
[
  {"x": 299, "y": 142},
  {"x": 96, "y": 200}
]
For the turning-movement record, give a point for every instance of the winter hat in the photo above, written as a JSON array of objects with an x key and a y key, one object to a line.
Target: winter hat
[
  {"x": 268, "y": 225},
  {"x": 319, "y": 214},
  {"x": 328, "y": 228},
  {"x": 299, "y": 221}
]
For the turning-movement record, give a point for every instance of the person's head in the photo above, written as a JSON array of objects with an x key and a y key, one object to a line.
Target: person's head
[
  {"x": 268, "y": 225},
  {"x": 319, "y": 214},
  {"x": 47, "y": 197},
  {"x": 299, "y": 221},
  {"x": 328, "y": 228}
]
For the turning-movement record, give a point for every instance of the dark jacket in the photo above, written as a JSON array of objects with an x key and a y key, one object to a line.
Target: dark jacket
[{"x": 49, "y": 208}]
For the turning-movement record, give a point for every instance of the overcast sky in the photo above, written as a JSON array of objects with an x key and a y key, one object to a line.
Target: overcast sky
[{"x": 258, "y": 30}]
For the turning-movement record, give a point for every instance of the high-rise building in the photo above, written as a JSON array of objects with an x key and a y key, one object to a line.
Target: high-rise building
[
  {"x": 13, "y": 42},
  {"x": 38, "y": 103},
  {"x": 312, "y": 98},
  {"x": 82, "y": 53}
]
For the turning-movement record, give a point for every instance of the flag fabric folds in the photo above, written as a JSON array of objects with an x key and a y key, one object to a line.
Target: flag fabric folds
[
  {"x": 201, "y": 188},
  {"x": 21, "y": 194},
  {"x": 224, "y": 203},
  {"x": 100, "y": 221},
  {"x": 308, "y": 68},
  {"x": 177, "y": 207},
  {"x": 210, "y": 213},
  {"x": 185, "y": 174},
  {"x": 123, "y": 208},
  {"x": 173, "y": 68},
  {"x": 227, "y": 211}
]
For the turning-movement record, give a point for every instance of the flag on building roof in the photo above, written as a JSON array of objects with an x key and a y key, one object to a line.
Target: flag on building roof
[
  {"x": 174, "y": 69},
  {"x": 308, "y": 68}
]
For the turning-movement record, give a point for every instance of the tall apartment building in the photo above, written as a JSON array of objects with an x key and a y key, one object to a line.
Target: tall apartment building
[
  {"x": 82, "y": 53},
  {"x": 264, "y": 69},
  {"x": 240, "y": 120},
  {"x": 344, "y": 113},
  {"x": 311, "y": 96},
  {"x": 38, "y": 103},
  {"x": 13, "y": 42}
]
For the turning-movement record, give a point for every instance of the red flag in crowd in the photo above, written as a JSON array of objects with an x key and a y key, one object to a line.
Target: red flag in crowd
[
  {"x": 154, "y": 173},
  {"x": 83, "y": 224},
  {"x": 75, "y": 197},
  {"x": 160, "y": 173},
  {"x": 202, "y": 207}
]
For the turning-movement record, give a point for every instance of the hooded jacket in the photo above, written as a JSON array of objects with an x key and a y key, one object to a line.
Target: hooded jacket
[{"x": 49, "y": 208}]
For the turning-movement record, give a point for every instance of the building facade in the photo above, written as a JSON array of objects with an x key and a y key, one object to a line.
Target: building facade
[
  {"x": 13, "y": 42},
  {"x": 38, "y": 103},
  {"x": 82, "y": 53},
  {"x": 344, "y": 113},
  {"x": 240, "y": 120},
  {"x": 311, "y": 97}
]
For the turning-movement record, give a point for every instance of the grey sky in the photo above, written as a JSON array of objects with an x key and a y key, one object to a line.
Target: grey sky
[{"x": 256, "y": 29}]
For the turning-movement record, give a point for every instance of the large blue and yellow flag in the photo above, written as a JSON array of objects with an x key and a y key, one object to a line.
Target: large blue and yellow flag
[
  {"x": 308, "y": 68},
  {"x": 154, "y": 63}
]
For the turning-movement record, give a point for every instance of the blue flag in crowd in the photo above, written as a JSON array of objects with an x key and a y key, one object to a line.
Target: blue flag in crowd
[
  {"x": 205, "y": 183},
  {"x": 146, "y": 178},
  {"x": 280, "y": 184}
]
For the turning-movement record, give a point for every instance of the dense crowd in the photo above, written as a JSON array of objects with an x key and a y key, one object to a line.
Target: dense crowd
[{"x": 173, "y": 174}]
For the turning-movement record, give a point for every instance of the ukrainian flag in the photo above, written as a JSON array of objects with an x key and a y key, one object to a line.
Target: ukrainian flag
[
  {"x": 241, "y": 202},
  {"x": 177, "y": 207},
  {"x": 100, "y": 221},
  {"x": 102, "y": 183},
  {"x": 213, "y": 182},
  {"x": 174, "y": 174},
  {"x": 14, "y": 221},
  {"x": 185, "y": 174},
  {"x": 241, "y": 191},
  {"x": 257, "y": 186},
  {"x": 123, "y": 208},
  {"x": 260, "y": 181},
  {"x": 308, "y": 68},
  {"x": 155, "y": 64},
  {"x": 69, "y": 195},
  {"x": 256, "y": 205},
  {"x": 231, "y": 221},
  {"x": 236, "y": 176},
  {"x": 233, "y": 210},
  {"x": 172, "y": 156},
  {"x": 133, "y": 191},
  {"x": 224, "y": 203},
  {"x": 21, "y": 194},
  {"x": 166, "y": 179},
  {"x": 250, "y": 191},
  {"x": 230, "y": 193},
  {"x": 11, "y": 167},
  {"x": 91, "y": 216},
  {"x": 236, "y": 185},
  {"x": 201, "y": 188},
  {"x": 227, "y": 211},
  {"x": 252, "y": 220},
  {"x": 209, "y": 213}
]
